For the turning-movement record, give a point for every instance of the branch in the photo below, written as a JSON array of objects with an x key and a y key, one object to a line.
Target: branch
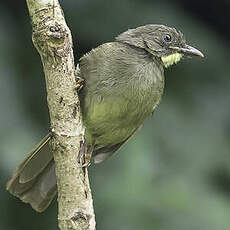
[{"x": 53, "y": 40}]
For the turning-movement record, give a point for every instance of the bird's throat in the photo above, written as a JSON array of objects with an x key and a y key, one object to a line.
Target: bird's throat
[{"x": 171, "y": 59}]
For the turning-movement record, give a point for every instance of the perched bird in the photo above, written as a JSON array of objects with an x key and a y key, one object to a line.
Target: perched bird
[{"x": 124, "y": 82}]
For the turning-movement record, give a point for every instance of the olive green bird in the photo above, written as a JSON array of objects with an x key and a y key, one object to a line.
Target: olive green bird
[{"x": 124, "y": 82}]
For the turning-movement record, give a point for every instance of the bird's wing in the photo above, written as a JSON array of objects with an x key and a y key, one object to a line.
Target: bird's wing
[{"x": 103, "y": 153}]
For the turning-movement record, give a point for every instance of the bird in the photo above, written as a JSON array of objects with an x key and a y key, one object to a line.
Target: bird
[{"x": 123, "y": 85}]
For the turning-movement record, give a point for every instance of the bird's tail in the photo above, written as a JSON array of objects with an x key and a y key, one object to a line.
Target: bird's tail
[{"x": 34, "y": 180}]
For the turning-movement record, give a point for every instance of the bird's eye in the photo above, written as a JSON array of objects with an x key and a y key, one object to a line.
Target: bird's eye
[{"x": 167, "y": 37}]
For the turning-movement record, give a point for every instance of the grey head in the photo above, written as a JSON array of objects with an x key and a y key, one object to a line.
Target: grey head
[{"x": 161, "y": 41}]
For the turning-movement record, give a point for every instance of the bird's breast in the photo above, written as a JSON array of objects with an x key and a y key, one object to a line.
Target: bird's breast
[
  {"x": 115, "y": 113},
  {"x": 121, "y": 90}
]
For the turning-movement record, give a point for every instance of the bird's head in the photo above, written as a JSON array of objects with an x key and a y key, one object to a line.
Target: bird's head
[{"x": 161, "y": 41}]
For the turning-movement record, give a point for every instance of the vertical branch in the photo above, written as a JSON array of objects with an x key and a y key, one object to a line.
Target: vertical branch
[{"x": 53, "y": 40}]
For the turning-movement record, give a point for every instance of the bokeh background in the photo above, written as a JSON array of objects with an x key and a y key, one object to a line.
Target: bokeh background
[{"x": 175, "y": 173}]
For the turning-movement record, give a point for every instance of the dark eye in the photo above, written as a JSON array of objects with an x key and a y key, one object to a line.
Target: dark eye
[{"x": 167, "y": 37}]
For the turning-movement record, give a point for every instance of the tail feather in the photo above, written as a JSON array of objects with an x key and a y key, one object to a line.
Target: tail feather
[
  {"x": 34, "y": 180},
  {"x": 40, "y": 194}
]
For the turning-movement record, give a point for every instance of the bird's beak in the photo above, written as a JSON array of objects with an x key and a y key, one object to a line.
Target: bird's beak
[{"x": 188, "y": 50}]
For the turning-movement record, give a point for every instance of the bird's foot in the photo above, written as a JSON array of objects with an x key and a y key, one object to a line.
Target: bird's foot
[
  {"x": 85, "y": 165},
  {"x": 80, "y": 84},
  {"x": 85, "y": 160},
  {"x": 79, "y": 80}
]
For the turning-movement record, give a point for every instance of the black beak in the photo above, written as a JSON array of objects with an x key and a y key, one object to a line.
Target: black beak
[{"x": 188, "y": 50}]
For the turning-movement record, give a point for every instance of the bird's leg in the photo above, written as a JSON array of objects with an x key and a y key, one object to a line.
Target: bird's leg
[
  {"x": 88, "y": 155},
  {"x": 84, "y": 156}
]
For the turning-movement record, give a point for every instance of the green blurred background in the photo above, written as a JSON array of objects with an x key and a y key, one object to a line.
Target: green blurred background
[{"x": 175, "y": 173}]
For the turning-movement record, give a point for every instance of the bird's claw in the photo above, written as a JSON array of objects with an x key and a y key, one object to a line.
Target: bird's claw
[
  {"x": 85, "y": 165},
  {"x": 80, "y": 84}
]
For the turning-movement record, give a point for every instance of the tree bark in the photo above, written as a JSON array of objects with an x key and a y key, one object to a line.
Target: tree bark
[{"x": 53, "y": 40}]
